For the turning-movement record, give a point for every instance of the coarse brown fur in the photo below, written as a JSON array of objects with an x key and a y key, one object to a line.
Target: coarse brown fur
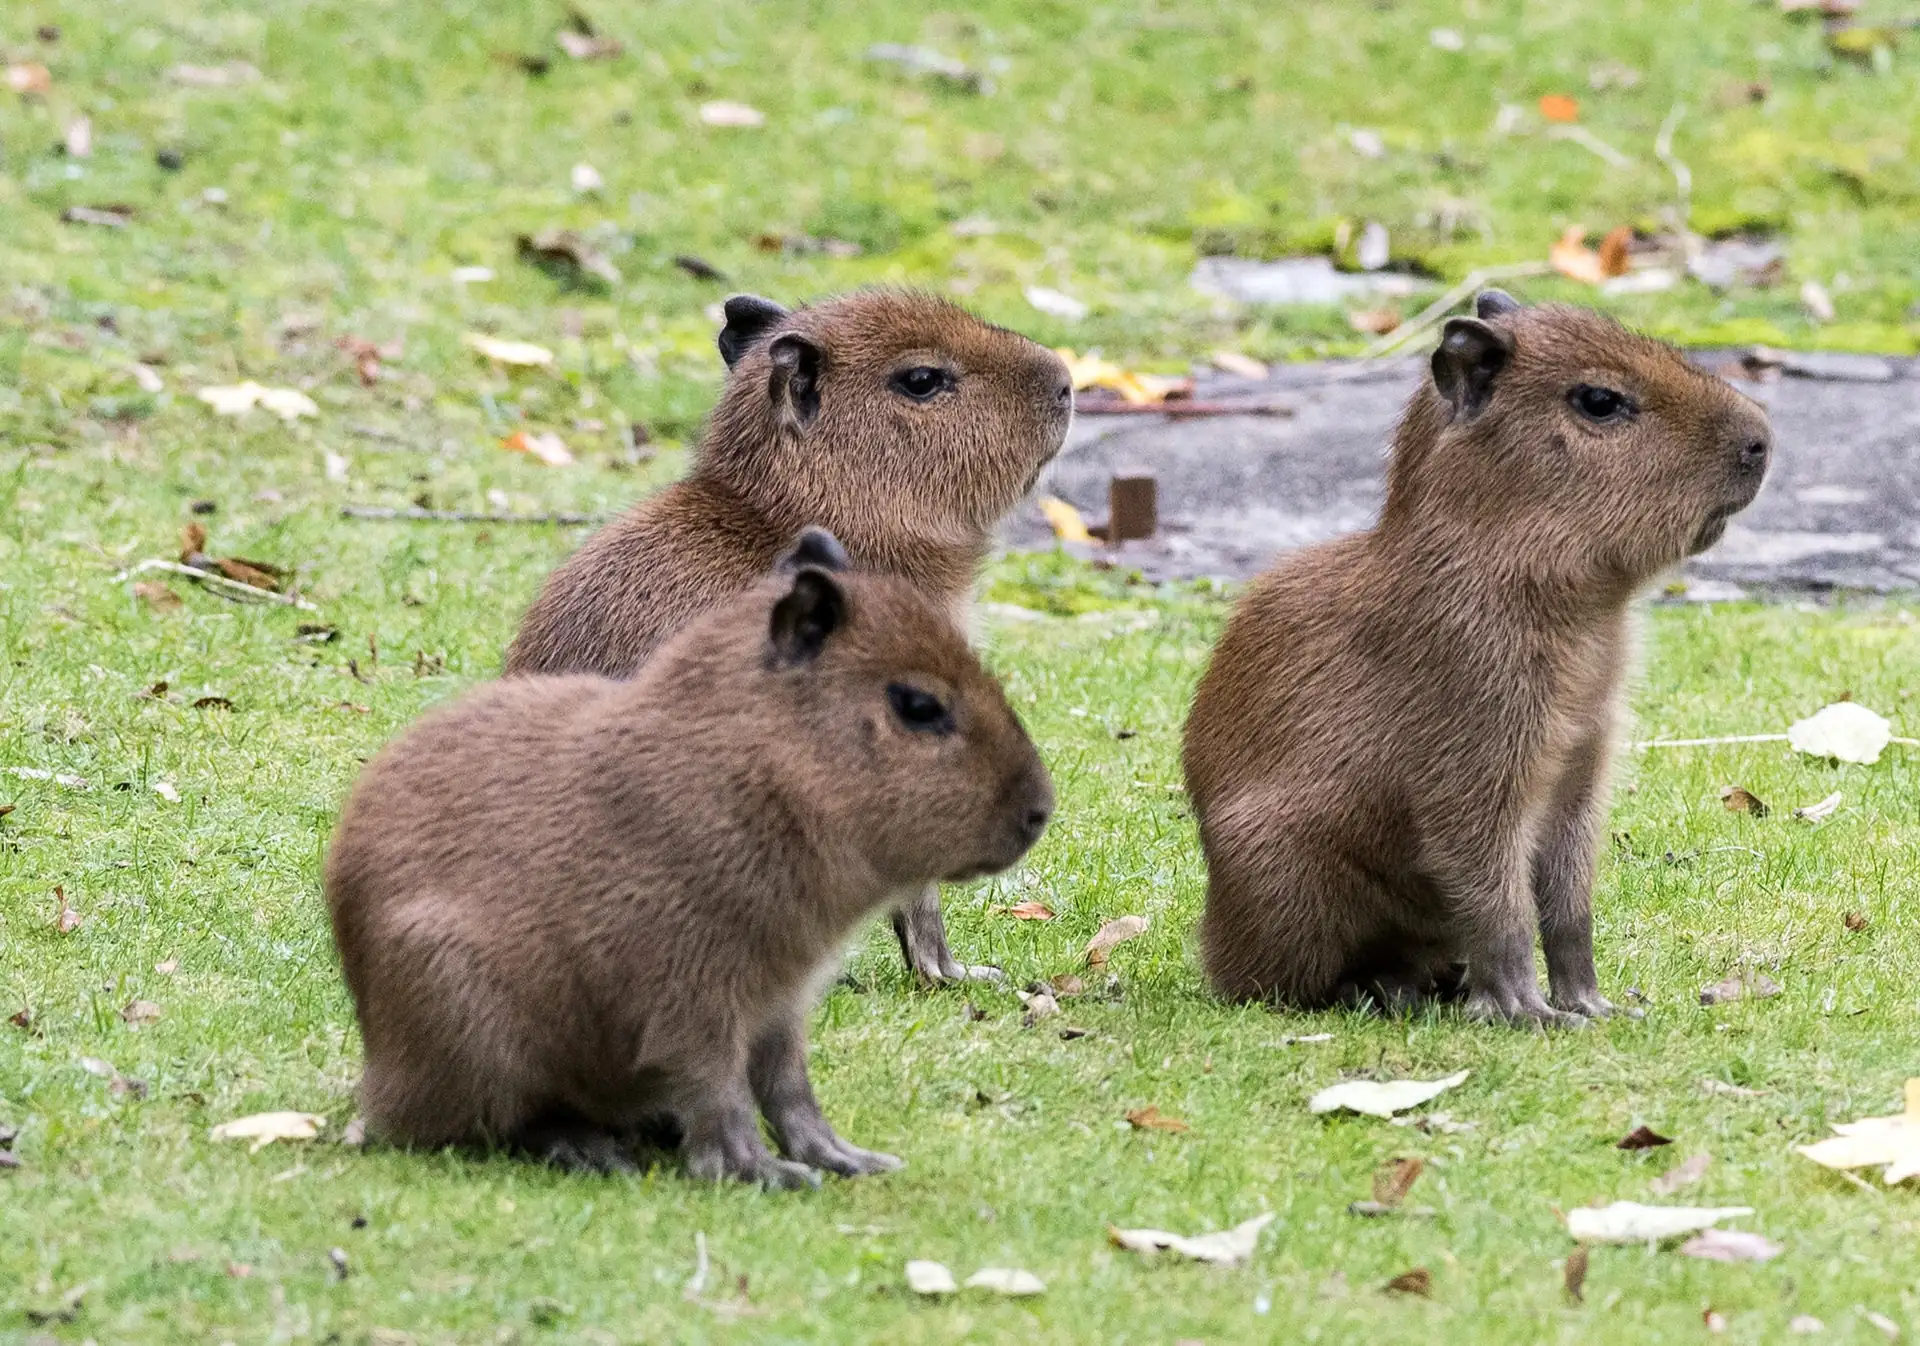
[
  {"x": 1399, "y": 754},
  {"x": 568, "y": 906},
  {"x": 813, "y": 428}
]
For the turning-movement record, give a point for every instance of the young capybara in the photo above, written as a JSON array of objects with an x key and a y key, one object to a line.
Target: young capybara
[
  {"x": 1399, "y": 754},
  {"x": 902, "y": 424},
  {"x": 568, "y": 907}
]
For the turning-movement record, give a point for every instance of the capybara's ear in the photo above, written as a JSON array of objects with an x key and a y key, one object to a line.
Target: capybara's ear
[
  {"x": 806, "y": 615},
  {"x": 1495, "y": 303},
  {"x": 748, "y": 318},
  {"x": 1470, "y": 358},
  {"x": 794, "y": 385},
  {"x": 815, "y": 547}
]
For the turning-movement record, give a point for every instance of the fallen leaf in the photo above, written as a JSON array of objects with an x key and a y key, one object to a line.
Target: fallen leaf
[
  {"x": 1713, "y": 1320},
  {"x": 167, "y": 967},
  {"x": 1040, "y": 1005},
  {"x": 930, "y": 1278},
  {"x": 1006, "y": 1281},
  {"x": 1893, "y": 1141},
  {"x": 1395, "y": 1178},
  {"x": 1066, "y": 985},
  {"x": 1065, "y": 520},
  {"x": 1028, "y": 911},
  {"x": 1888, "y": 1328},
  {"x": 1117, "y": 931},
  {"x": 1056, "y": 303},
  {"x": 22, "y": 1020},
  {"x": 568, "y": 252},
  {"x": 1150, "y": 1118},
  {"x": 1419, "y": 1281},
  {"x": 1862, "y": 43},
  {"x": 289, "y": 404},
  {"x": 1855, "y": 921},
  {"x": 138, "y": 1012},
  {"x": 1374, "y": 250},
  {"x": 1739, "y": 799},
  {"x": 29, "y": 78},
  {"x": 520, "y": 353},
  {"x": 1572, "y": 258},
  {"x": 257, "y": 574},
  {"x": 1233, "y": 362},
  {"x": 228, "y": 76},
  {"x": 1730, "y": 1245},
  {"x": 93, "y": 1065},
  {"x": 68, "y": 919},
  {"x": 1093, "y": 371},
  {"x": 355, "y": 1134},
  {"x": 79, "y": 138},
  {"x": 548, "y": 447},
  {"x": 1738, "y": 260},
  {"x": 585, "y": 179},
  {"x": 1631, "y": 1222},
  {"x": 165, "y": 789},
  {"x": 1805, "y": 1325},
  {"x": 1614, "y": 250},
  {"x": 1813, "y": 813},
  {"x": 1574, "y": 1278},
  {"x": 147, "y": 377},
  {"x": 1559, "y": 107},
  {"x": 110, "y": 216},
  {"x": 240, "y": 1271},
  {"x": 263, "y": 1128},
  {"x": 1447, "y": 39},
  {"x": 1845, "y": 731},
  {"x": 1683, "y": 1174},
  {"x": 41, "y": 773},
  {"x": 1816, "y": 301},
  {"x": 1229, "y": 1247},
  {"x": 1374, "y": 321},
  {"x": 724, "y": 113},
  {"x": 1641, "y": 1138},
  {"x": 582, "y": 42},
  {"x": 157, "y": 596},
  {"x": 925, "y": 62},
  {"x": 1756, "y": 986},
  {"x": 212, "y": 703},
  {"x": 1381, "y": 1099}
]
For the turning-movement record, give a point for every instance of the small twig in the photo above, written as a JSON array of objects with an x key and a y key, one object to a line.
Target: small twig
[
  {"x": 1587, "y": 140},
  {"x": 698, "y": 1284},
  {"x": 1709, "y": 742},
  {"x": 1439, "y": 308},
  {"x": 1183, "y": 408},
  {"x": 218, "y": 581},
  {"x": 1682, "y": 175},
  {"x": 461, "y": 516}
]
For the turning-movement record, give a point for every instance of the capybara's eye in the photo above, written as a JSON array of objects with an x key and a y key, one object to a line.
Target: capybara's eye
[
  {"x": 921, "y": 382},
  {"x": 1600, "y": 404},
  {"x": 919, "y": 709}
]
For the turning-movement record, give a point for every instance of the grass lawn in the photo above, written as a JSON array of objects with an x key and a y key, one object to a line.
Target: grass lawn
[{"x": 384, "y": 145}]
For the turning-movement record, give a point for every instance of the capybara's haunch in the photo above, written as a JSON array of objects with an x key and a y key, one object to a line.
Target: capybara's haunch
[
  {"x": 568, "y": 907},
  {"x": 904, "y": 425},
  {"x": 1399, "y": 754}
]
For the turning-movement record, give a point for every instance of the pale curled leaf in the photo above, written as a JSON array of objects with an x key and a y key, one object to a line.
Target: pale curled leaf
[
  {"x": 1632, "y": 1222},
  {"x": 1376, "y": 1099},
  {"x": 546, "y": 446},
  {"x": 523, "y": 353},
  {"x": 1011, "y": 1281},
  {"x": 1845, "y": 731},
  {"x": 1228, "y": 1247},
  {"x": 725, "y": 113},
  {"x": 1117, "y": 931},
  {"x": 138, "y": 1012},
  {"x": 930, "y": 1278},
  {"x": 1820, "y": 812},
  {"x": 1730, "y": 1245},
  {"x": 263, "y": 1128},
  {"x": 1684, "y": 1174},
  {"x": 1893, "y": 1141}
]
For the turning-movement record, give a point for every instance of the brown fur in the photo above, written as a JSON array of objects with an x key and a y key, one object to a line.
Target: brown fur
[
  {"x": 566, "y": 906},
  {"x": 809, "y": 430},
  {"x": 1399, "y": 754}
]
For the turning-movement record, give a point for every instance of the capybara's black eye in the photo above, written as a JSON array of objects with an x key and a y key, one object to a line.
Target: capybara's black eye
[
  {"x": 1600, "y": 404},
  {"x": 921, "y": 382},
  {"x": 919, "y": 709}
]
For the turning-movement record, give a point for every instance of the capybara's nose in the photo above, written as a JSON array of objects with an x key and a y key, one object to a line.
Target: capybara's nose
[
  {"x": 1753, "y": 455},
  {"x": 1035, "y": 823}
]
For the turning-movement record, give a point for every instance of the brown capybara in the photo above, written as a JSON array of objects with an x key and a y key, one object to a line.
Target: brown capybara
[
  {"x": 569, "y": 907},
  {"x": 1399, "y": 754},
  {"x": 902, "y": 424}
]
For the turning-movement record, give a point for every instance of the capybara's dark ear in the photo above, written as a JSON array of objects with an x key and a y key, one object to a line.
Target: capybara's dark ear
[
  {"x": 812, "y": 610},
  {"x": 815, "y": 547},
  {"x": 794, "y": 385},
  {"x": 748, "y": 318},
  {"x": 1495, "y": 304},
  {"x": 1470, "y": 358}
]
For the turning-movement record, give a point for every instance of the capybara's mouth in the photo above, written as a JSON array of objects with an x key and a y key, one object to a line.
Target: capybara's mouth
[{"x": 1714, "y": 528}]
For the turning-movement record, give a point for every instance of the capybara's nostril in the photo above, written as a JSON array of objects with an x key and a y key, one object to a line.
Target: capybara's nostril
[
  {"x": 1035, "y": 823},
  {"x": 1753, "y": 455}
]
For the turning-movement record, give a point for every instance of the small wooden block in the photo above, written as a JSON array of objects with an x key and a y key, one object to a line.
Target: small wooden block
[{"x": 1133, "y": 505}]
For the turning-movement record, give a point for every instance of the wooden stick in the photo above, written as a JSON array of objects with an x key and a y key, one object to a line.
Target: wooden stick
[
  {"x": 1440, "y": 307},
  {"x": 417, "y": 515},
  {"x": 218, "y": 581},
  {"x": 1183, "y": 407}
]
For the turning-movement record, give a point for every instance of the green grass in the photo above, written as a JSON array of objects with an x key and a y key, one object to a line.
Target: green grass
[{"x": 385, "y": 146}]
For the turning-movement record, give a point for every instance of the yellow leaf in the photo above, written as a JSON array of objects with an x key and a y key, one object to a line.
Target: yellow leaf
[
  {"x": 263, "y": 1128},
  {"x": 1572, "y": 258},
  {"x": 1067, "y": 524},
  {"x": 509, "y": 352}
]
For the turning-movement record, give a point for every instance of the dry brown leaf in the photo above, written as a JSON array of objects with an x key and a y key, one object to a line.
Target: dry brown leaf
[
  {"x": 1560, "y": 107},
  {"x": 1757, "y": 986},
  {"x": 1117, "y": 931},
  {"x": 193, "y": 542},
  {"x": 1066, "y": 985},
  {"x": 1572, "y": 258},
  {"x": 1150, "y": 1118},
  {"x": 1228, "y": 1247},
  {"x": 1855, "y": 921},
  {"x": 138, "y": 1012},
  {"x": 256, "y": 574},
  {"x": 157, "y": 596},
  {"x": 1374, "y": 321},
  {"x": 68, "y": 919},
  {"x": 1575, "y": 1277},
  {"x": 1681, "y": 1175},
  {"x": 570, "y": 252},
  {"x": 1739, "y": 799},
  {"x": 548, "y": 447},
  {"x": 1642, "y": 1138},
  {"x": 1395, "y": 1178},
  {"x": 1713, "y": 1320},
  {"x": 1027, "y": 911},
  {"x": 1614, "y": 248},
  {"x": 1730, "y": 1245},
  {"x": 29, "y": 78},
  {"x": 1419, "y": 1281}
]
